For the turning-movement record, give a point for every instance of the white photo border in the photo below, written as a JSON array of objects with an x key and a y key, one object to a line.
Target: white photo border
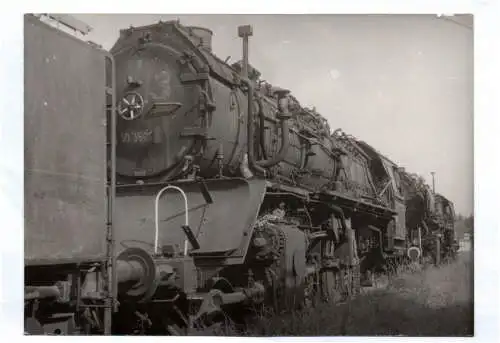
[{"x": 486, "y": 133}]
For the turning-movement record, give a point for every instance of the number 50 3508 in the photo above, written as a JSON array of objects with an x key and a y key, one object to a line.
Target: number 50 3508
[{"x": 142, "y": 136}]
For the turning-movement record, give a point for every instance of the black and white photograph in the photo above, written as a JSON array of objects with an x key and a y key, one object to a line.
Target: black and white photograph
[{"x": 256, "y": 175}]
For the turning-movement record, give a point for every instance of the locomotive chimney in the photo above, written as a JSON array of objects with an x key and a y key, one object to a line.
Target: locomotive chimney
[
  {"x": 204, "y": 34},
  {"x": 244, "y": 32}
]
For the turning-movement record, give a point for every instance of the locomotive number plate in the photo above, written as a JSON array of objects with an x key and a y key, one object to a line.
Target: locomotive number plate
[{"x": 137, "y": 137}]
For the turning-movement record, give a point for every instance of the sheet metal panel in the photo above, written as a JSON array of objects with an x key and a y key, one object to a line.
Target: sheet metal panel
[
  {"x": 221, "y": 227},
  {"x": 65, "y": 147}
]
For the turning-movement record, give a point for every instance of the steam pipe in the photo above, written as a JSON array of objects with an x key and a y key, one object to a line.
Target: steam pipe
[
  {"x": 244, "y": 170},
  {"x": 285, "y": 132},
  {"x": 244, "y": 32},
  {"x": 250, "y": 132},
  {"x": 425, "y": 227},
  {"x": 262, "y": 124}
]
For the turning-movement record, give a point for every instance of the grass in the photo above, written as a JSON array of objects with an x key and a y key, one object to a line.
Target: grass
[{"x": 437, "y": 301}]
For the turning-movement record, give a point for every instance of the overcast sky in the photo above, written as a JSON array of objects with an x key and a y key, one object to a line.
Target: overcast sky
[{"x": 402, "y": 83}]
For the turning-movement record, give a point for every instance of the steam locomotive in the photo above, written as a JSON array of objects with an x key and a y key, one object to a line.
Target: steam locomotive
[{"x": 165, "y": 189}]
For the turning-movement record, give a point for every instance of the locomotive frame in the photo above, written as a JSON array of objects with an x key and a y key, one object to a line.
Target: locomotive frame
[{"x": 315, "y": 211}]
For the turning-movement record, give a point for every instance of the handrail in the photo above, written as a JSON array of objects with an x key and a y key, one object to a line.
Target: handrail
[{"x": 156, "y": 214}]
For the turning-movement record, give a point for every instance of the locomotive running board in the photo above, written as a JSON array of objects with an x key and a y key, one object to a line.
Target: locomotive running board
[
  {"x": 342, "y": 200},
  {"x": 350, "y": 203}
]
